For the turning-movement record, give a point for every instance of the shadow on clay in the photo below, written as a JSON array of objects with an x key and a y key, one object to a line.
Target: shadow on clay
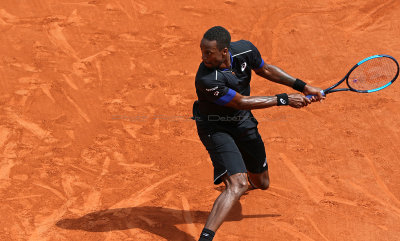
[{"x": 157, "y": 220}]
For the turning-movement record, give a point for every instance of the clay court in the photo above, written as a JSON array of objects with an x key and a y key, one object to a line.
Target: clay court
[{"x": 97, "y": 142}]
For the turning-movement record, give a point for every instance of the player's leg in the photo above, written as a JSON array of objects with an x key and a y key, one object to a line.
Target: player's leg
[
  {"x": 253, "y": 151},
  {"x": 229, "y": 168},
  {"x": 259, "y": 180},
  {"x": 235, "y": 186}
]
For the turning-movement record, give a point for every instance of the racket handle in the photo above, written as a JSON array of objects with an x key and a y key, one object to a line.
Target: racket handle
[{"x": 309, "y": 96}]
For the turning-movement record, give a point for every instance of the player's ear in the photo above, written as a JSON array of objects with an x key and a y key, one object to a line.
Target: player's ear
[{"x": 225, "y": 51}]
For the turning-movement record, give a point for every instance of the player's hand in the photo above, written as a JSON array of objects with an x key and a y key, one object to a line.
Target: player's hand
[
  {"x": 298, "y": 100},
  {"x": 315, "y": 92}
]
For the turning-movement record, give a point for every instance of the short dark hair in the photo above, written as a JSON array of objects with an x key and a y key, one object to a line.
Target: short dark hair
[{"x": 220, "y": 34}]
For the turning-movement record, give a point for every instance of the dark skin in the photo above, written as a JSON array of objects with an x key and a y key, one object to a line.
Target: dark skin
[{"x": 236, "y": 184}]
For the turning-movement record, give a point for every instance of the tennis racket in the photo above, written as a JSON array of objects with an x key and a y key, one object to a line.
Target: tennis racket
[{"x": 369, "y": 75}]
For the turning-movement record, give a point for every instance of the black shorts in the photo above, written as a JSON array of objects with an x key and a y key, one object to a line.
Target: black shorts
[{"x": 233, "y": 150}]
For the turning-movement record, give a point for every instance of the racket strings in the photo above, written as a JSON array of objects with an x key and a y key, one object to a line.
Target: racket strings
[{"x": 373, "y": 74}]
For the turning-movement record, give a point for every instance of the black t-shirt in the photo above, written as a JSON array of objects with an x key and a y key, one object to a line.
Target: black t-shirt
[{"x": 215, "y": 87}]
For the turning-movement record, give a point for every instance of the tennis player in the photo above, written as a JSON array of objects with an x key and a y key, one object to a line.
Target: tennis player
[{"x": 225, "y": 124}]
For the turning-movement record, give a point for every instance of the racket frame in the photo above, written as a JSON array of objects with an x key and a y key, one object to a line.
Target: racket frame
[{"x": 346, "y": 78}]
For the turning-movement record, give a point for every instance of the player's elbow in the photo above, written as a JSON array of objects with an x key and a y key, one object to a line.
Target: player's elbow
[{"x": 264, "y": 71}]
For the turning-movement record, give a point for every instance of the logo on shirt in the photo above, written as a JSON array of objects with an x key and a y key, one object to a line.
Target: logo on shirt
[
  {"x": 244, "y": 65},
  {"x": 216, "y": 93},
  {"x": 212, "y": 89}
]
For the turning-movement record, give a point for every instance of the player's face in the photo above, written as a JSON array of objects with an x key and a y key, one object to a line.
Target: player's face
[{"x": 211, "y": 56}]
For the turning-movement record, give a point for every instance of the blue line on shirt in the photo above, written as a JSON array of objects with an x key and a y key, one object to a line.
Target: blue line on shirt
[
  {"x": 226, "y": 98},
  {"x": 261, "y": 65}
]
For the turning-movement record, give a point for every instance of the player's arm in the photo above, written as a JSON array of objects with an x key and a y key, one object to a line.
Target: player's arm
[
  {"x": 279, "y": 76},
  {"x": 259, "y": 102},
  {"x": 275, "y": 74},
  {"x": 268, "y": 71},
  {"x": 215, "y": 90}
]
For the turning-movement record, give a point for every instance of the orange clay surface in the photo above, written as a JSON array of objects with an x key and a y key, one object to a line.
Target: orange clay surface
[{"x": 96, "y": 141}]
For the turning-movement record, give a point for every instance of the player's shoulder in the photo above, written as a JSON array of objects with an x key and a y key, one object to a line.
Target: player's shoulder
[{"x": 241, "y": 46}]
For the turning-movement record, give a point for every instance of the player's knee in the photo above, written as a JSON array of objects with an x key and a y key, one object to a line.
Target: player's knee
[
  {"x": 239, "y": 189},
  {"x": 239, "y": 186}
]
